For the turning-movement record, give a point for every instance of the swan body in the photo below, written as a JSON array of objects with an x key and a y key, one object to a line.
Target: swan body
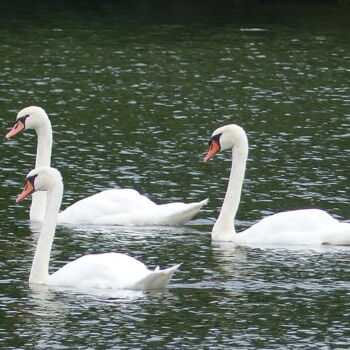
[
  {"x": 110, "y": 207},
  {"x": 110, "y": 271},
  {"x": 296, "y": 227},
  {"x": 127, "y": 207},
  {"x": 103, "y": 271}
]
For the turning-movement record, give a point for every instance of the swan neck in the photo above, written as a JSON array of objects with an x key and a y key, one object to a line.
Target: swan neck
[
  {"x": 224, "y": 229},
  {"x": 43, "y": 158},
  {"x": 44, "y": 147},
  {"x": 40, "y": 266}
]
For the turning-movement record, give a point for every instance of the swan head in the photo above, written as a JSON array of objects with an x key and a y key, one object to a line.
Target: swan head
[
  {"x": 28, "y": 118},
  {"x": 40, "y": 179},
  {"x": 227, "y": 136}
]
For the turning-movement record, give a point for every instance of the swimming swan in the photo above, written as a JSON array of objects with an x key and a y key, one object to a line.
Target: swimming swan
[
  {"x": 110, "y": 207},
  {"x": 104, "y": 271},
  {"x": 296, "y": 227}
]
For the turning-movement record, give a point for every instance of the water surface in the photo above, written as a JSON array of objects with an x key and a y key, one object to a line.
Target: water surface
[{"x": 134, "y": 92}]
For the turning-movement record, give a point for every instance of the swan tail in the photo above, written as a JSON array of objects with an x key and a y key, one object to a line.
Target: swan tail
[
  {"x": 203, "y": 202},
  {"x": 179, "y": 213},
  {"x": 157, "y": 279},
  {"x": 338, "y": 234}
]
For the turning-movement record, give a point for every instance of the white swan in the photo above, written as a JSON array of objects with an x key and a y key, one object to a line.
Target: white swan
[
  {"x": 107, "y": 271},
  {"x": 110, "y": 207},
  {"x": 297, "y": 227}
]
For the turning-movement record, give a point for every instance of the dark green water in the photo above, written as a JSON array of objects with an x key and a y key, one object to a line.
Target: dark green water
[{"x": 134, "y": 91}]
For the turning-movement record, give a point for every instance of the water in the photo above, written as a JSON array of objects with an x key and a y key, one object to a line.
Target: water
[{"x": 133, "y": 92}]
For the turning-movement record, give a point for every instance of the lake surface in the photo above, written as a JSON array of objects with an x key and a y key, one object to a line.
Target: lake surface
[{"x": 134, "y": 91}]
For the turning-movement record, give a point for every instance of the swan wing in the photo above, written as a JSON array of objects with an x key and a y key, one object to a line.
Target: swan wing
[
  {"x": 167, "y": 214},
  {"x": 103, "y": 204}
]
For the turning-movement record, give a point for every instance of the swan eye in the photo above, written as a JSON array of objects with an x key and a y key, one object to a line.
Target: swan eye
[
  {"x": 31, "y": 179},
  {"x": 23, "y": 119},
  {"x": 215, "y": 138}
]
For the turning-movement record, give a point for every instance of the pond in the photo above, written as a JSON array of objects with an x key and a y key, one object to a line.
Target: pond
[{"x": 134, "y": 91}]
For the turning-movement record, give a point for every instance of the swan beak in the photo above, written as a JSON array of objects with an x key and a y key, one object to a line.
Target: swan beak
[
  {"x": 28, "y": 189},
  {"x": 214, "y": 148},
  {"x": 19, "y": 126}
]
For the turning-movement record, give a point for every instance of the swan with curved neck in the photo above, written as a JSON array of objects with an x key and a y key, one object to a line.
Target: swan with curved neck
[
  {"x": 298, "y": 227},
  {"x": 28, "y": 120},
  {"x": 106, "y": 271},
  {"x": 110, "y": 207}
]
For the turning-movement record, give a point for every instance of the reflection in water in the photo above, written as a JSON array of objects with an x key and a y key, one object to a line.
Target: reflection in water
[
  {"x": 97, "y": 312},
  {"x": 45, "y": 296},
  {"x": 228, "y": 253}
]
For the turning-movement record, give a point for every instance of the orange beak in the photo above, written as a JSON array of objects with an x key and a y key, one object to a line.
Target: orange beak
[
  {"x": 213, "y": 149},
  {"x": 28, "y": 189},
  {"x": 19, "y": 126}
]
